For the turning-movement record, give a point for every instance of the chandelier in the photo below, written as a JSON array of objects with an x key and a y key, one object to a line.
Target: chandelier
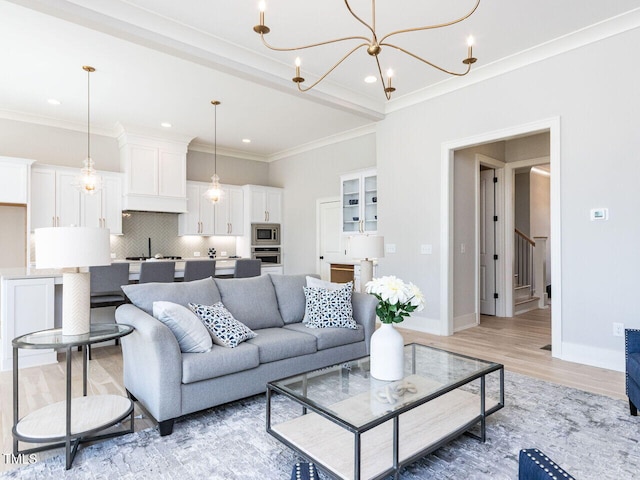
[
  {"x": 214, "y": 192},
  {"x": 88, "y": 181},
  {"x": 374, "y": 46}
]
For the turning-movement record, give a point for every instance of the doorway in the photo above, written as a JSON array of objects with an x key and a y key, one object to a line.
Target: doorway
[
  {"x": 330, "y": 246},
  {"x": 451, "y": 244}
]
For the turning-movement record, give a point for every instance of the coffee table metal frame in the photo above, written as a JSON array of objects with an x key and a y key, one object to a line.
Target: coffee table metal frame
[
  {"x": 393, "y": 416},
  {"x": 53, "y": 338}
]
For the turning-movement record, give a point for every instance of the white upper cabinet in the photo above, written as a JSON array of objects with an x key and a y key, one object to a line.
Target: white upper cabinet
[
  {"x": 56, "y": 202},
  {"x": 359, "y": 194},
  {"x": 200, "y": 216},
  {"x": 14, "y": 180},
  {"x": 230, "y": 211},
  {"x": 266, "y": 204},
  {"x": 104, "y": 208},
  {"x": 155, "y": 173}
]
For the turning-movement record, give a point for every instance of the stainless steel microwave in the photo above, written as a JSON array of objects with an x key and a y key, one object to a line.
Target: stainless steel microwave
[{"x": 265, "y": 234}]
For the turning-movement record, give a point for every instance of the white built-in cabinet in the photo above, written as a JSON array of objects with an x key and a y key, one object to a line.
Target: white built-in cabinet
[
  {"x": 229, "y": 218},
  {"x": 155, "y": 173},
  {"x": 266, "y": 204},
  {"x": 359, "y": 197},
  {"x": 14, "y": 180},
  {"x": 104, "y": 208},
  {"x": 205, "y": 218},
  {"x": 56, "y": 202}
]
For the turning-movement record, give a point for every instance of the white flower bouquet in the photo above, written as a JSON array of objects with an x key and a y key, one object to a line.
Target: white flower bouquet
[{"x": 396, "y": 298}]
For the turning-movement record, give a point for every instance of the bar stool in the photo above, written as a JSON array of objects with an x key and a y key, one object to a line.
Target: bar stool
[
  {"x": 198, "y": 269},
  {"x": 161, "y": 271},
  {"x": 246, "y": 267},
  {"x": 105, "y": 283}
]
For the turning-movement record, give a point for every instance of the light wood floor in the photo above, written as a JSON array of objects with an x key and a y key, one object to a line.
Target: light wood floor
[{"x": 514, "y": 342}]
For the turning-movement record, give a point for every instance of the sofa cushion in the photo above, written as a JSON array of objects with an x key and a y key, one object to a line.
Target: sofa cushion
[
  {"x": 225, "y": 330},
  {"x": 290, "y": 296},
  {"x": 191, "y": 334},
  {"x": 218, "y": 362},
  {"x": 329, "y": 308},
  {"x": 279, "y": 343},
  {"x": 330, "y": 337},
  {"x": 251, "y": 300},
  {"x": 142, "y": 295}
]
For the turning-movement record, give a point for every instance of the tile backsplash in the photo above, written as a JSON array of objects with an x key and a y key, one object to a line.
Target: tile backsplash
[{"x": 162, "y": 229}]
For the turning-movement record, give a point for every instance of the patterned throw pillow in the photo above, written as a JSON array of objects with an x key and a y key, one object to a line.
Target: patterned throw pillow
[
  {"x": 329, "y": 308},
  {"x": 224, "y": 329}
]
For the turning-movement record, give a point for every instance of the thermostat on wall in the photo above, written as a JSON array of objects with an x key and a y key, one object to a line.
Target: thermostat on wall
[{"x": 599, "y": 214}]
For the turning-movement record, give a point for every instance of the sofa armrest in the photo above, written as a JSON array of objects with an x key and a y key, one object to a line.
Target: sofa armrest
[
  {"x": 152, "y": 363},
  {"x": 364, "y": 313}
]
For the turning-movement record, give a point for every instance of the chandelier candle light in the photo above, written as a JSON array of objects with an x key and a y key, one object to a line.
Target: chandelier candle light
[
  {"x": 397, "y": 300},
  {"x": 214, "y": 192},
  {"x": 373, "y": 45},
  {"x": 88, "y": 181}
]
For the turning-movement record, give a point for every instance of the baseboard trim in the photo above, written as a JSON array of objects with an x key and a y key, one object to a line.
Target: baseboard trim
[
  {"x": 422, "y": 324},
  {"x": 465, "y": 321},
  {"x": 595, "y": 357}
]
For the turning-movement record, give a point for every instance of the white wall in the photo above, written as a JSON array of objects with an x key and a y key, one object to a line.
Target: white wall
[
  {"x": 540, "y": 198},
  {"x": 307, "y": 177},
  {"x": 598, "y": 162},
  {"x": 231, "y": 170}
]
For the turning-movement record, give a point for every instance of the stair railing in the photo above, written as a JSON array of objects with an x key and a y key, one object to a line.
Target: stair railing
[{"x": 523, "y": 261}]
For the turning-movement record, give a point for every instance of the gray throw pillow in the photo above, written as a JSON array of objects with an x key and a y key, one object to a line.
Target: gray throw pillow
[
  {"x": 192, "y": 335},
  {"x": 251, "y": 300},
  {"x": 142, "y": 295},
  {"x": 290, "y": 296},
  {"x": 224, "y": 329}
]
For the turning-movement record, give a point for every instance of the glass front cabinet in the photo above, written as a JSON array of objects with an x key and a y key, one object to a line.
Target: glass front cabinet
[{"x": 359, "y": 193}]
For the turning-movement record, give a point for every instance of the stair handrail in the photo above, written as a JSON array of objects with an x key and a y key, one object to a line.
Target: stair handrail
[{"x": 525, "y": 237}]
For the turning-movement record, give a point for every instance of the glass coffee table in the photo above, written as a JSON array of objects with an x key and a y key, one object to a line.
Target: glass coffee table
[{"x": 355, "y": 427}]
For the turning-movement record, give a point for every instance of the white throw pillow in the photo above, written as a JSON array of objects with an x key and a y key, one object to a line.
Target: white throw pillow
[
  {"x": 317, "y": 283},
  {"x": 329, "y": 308},
  {"x": 192, "y": 335},
  {"x": 224, "y": 329}
]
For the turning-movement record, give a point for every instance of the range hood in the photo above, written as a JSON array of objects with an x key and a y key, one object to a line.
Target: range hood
[{"x": 155, "y": 171}]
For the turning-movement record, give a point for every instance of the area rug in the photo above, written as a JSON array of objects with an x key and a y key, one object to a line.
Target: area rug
[{"x": 591, "y": 436}]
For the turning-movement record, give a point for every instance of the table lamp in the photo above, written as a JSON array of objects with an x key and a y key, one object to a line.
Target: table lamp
[
  {"x": 73, "y": 248},
  {"x": 366, "y": 248}
]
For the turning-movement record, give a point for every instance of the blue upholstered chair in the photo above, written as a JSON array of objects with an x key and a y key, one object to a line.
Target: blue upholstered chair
[
  {"x": 535, "y": 465},
  {"x": 632, "y": 368}
]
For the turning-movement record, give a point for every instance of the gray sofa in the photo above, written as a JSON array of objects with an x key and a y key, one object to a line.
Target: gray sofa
[{"x": 170, "y": 383}]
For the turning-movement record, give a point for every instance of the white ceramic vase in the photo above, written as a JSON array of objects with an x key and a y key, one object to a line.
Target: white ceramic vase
[{"x": 387, "y": 354}]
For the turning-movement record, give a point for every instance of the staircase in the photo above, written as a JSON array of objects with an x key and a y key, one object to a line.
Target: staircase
[{"x": 524, "y": 291}]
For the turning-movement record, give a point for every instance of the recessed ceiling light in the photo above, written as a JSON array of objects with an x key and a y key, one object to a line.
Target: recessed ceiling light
[
  {"x": 53, "y": 101},
  {"x": 165, "y": 125},
  {"x": 370, "y": 79},
  {"x": 246, "y": 140}
]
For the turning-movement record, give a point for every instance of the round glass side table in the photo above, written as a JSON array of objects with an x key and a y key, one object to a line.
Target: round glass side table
[{"x": 75, "y": 420}]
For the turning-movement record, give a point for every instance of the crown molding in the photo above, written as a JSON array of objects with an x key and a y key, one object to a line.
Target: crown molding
[
  {"x": 599, "y": 31},
  {"x": 53, "y": 122},
  {"x": 227, "y": 152},
  {"x": 323, "y": 142}
]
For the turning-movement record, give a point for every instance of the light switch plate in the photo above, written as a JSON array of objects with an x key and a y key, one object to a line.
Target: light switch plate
[
  {"x": 390, "y": 248},
  {"x": 599, "y": 214},
  {"x": 196, "y": 254},
  {"x": 426, "y": 249},
  {"x": 113, "y": 255}
]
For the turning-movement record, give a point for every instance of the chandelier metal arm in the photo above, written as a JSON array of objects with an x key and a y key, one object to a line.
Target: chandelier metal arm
[
  {"x": 457, "y": 74},
  {"x": 386, "y": 93},
  {"x": 373, "y": 14},
  {"x": 332, "y": 68},
  {"x": 291, "y": 49},
  {"x": 431, "y": 27}
]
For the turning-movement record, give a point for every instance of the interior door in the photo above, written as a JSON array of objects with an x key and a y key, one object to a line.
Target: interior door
[
  {"x": 487, "y": 243},
  {"x": 331, "y": 241}
]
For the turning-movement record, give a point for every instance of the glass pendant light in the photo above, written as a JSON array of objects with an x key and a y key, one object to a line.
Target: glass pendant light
[
  {"x": 214, "y": 192},
  {"x": 88, "y": 181}
]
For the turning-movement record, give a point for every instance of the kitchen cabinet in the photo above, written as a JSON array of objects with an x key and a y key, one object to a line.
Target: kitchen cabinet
[
  {"x": 200, "y": 216},
  {"x": 55, "y": 202},
  {"x": 14, "y": 180},
  {"x": 229, "y": 211},
  {"x": 266, "y": 204},
  {"x": 359, "y": 198},
  {"x": 155, "y": 172},
  {"x": 104, "y": 208},
  {"x": 27, "y": 305}
]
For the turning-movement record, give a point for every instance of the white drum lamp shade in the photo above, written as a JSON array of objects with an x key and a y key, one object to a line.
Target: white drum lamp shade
[
  {"x": 366, "y": 248},
  {"x": 73, "y": 247}
]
